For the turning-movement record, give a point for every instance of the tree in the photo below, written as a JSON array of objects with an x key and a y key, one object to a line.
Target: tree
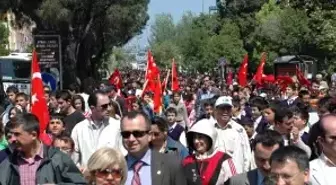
[
  {"x": 120, "y": 58},
  {"x": 89, "y": 29},
  {"x": 3, "y": 40},
  {"x": 283, "y": 30},
  {"x": 163, "y": 28},
  {"x": 163, "y": 40},
  {"x": 226, "y": 44}
]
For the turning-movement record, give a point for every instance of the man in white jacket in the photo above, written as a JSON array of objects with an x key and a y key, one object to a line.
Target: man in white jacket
[
  {"x": 323, "y": 169},
  {"x": 232, "y": 138},
  {"x": 100, "y": 130}
]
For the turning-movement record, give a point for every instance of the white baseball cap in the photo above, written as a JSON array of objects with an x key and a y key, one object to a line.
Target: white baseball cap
[{"x": 224, "y": 100}]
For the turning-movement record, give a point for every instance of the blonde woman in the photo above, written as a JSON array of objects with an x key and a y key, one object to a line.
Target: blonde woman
[{"x": 106, "y": 167}]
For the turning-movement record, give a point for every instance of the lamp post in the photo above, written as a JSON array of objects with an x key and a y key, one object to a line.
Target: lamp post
[{"x": 202, "y": 6}]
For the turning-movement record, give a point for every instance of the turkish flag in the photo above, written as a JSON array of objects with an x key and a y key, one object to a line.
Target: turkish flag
[
  {"x": 260, "y": 71},
  {"x": 229, "y": 78},
  {"x": 175, "y": 83},
  {"x": 242, "y": 73},
  {"x": 283, "y": 82},
  {"x": 151, "y": 73},
  {"x": 302, "y": 80},
  {"x": 268, "y": 78},
  {"x": 38, "y": 103},
  {"x": 115, "y": 79},
  {"x": 157, "y": 99}
]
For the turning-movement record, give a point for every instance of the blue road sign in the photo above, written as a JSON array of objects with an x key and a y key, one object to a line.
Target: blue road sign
[{"x": 50, "y": 80}]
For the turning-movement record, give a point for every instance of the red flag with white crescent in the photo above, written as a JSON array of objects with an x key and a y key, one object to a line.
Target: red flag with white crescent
[
  {"x": 175, "y": 86},
  {"x": 115, "y": 79},
  {"x": 38, "y": 103}
]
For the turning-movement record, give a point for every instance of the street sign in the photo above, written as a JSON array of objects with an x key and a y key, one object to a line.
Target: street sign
[
  {"x": 48, "y": 48},
  {"x": 50, "y": 80},
  {"x": 222, "y": 61}
]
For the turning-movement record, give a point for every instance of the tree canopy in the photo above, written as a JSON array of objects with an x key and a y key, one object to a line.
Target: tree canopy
[
  {"x": 89, "y": 29},
  {"x": 3, "y": 40},
  {"x": 243, "y": 26}
]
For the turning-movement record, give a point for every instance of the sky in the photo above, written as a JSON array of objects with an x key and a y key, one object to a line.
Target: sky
[{"x": 175, "y": 7}]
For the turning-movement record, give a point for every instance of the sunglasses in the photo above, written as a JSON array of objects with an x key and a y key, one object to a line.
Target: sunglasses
[
  {"x": 136, "y": 133},
  {"x": 105, "y": 106},
  {"x": 116, "y": 173}
]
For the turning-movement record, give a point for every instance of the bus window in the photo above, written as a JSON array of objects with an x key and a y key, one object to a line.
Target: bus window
[{"x": 15, "y": 68}]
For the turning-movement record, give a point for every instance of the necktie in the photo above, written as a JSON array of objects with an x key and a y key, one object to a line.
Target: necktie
[
  {"x": 171, "y": 130},
  {"x": 136, "y": 168}
]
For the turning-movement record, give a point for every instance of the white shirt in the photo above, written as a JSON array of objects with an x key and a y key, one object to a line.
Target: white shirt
[
  {"x": 313, "y": 118},
  {"x": 256, "y": 123},
  {"x": 183, "y": 139},
  {"x": 291, "y": 100},
  {"x": 234, "y": 141},
  {"x": 89, "y": 137},
  {"x": 138, "y": 92},
  {"x": 322, "y": 171},
  {"x": 5, "y": 115},
  {"x": 304, "y": 130}
]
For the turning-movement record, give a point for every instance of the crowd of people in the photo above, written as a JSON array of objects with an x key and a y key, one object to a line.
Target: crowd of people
[{"x": 208, "y": 133}]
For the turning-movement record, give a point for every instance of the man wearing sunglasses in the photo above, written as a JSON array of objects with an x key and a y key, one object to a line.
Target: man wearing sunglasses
[
  {"x": 146, "y": 166},
  {"x": 97, "y": 131}
]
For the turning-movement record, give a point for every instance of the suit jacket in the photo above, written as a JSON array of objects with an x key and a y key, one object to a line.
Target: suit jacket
[
  {"x": 166, "y": 169},
  {"x": 121, "y": 101},
  {"x": 262, "y": 126},
  {"x": 285, "y": 103},
  {"x": 249, "y": 178},
  {"x": 316, "y": 172}
]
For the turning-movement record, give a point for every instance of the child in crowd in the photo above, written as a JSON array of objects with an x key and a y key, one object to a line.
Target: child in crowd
[
  {"x": 176, "y": 131},
  {"x": 301, "y": 117},
  {"x": 258, "y": 105},
  {"x": 248, "y": 125},
  {"x": 65, "y": 143},
  {"x": 56, "y": 125}
]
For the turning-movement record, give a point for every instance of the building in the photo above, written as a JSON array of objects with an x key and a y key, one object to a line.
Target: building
[{"x": 19, "y": 39}]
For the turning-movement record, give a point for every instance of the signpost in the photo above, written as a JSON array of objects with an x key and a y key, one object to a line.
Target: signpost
[
  {"x": 49, "y": 50},
  {"x": 222, "y": 64}
]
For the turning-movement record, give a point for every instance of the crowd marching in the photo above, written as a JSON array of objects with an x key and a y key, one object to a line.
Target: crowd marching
[{"x": 205, "y": 132}]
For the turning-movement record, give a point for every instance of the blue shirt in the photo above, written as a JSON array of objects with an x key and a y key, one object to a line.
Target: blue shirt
[
  {"x": 144, "y": 172},
  {"x": 183, "y": 151},
  {"x": 260, "y": 178}
]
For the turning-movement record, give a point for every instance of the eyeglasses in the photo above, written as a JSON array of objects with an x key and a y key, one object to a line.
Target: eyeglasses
[
  {"x": 136, "y": 133},
  {"x": 285, "y": 177},
  {"x": 65, "y": 149},
  {"x": 116, "y": 173}
]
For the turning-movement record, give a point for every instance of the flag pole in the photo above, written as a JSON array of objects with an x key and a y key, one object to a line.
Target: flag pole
[
  {"x": 166, "y": 80},
  {"x": 144, "y": 88}
]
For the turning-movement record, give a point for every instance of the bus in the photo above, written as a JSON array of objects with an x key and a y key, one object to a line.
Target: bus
[{"x": 15, "y": 70}]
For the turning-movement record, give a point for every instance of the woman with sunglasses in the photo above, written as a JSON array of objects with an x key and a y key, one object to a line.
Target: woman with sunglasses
[
  {"x": 208, "y": 165},
  {"x": 106, "y": 166}
]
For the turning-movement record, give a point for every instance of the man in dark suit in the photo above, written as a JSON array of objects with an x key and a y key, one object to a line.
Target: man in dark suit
[
  {"x": 292, "y": 96},
  {"x": 146, "y": 166},
  {"x": 264, "y": 144}
]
